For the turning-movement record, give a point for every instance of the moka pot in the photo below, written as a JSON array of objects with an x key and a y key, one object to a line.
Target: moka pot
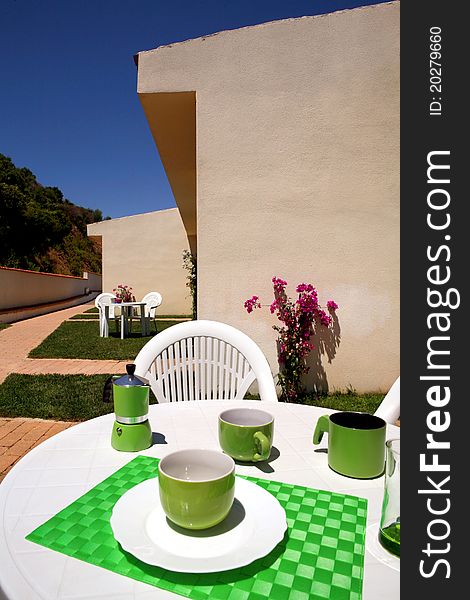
[{"x": 131, "y": 429}]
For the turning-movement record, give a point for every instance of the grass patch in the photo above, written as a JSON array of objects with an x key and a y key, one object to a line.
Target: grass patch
[
  {"x": 351, "y": 401},
  {"x": 159, "y": 316},
  {"x": 368, "y": 403},
  {"x": 92, "y": 310},
  {"x": 82, "y": 340},
  {"x": 4, "y": 325},
  {"x": 58, "y": 397},
  {"x": 88, "y": 315}
]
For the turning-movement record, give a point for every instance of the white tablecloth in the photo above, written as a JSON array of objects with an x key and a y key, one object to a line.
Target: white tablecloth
[{"x": 63, "y": 468}]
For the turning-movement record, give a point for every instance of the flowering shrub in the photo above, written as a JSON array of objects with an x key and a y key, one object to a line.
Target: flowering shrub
[
  {"x": 190, "y": 264},
  {"x": 124, "y": 293},
  {"x": 299, "y": 318}
]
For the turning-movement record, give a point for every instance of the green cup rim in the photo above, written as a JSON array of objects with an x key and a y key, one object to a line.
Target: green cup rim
[
  {"x": 368, "y": 416},
  {"x": 196, "y": 481},
  {"x": 246, "y": 426}
]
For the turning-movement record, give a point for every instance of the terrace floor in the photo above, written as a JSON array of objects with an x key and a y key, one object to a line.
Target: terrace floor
[
  {"x": 18, "y": 436},
  {"x": 19, "y": 339}
]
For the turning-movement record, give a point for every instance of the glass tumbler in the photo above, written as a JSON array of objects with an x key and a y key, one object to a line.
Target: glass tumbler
[{"x": 389, "y": 533}]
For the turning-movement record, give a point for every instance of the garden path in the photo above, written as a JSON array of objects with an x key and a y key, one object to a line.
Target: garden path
[
  {"x": 19, "y": 339},
  {"x": 19, "y": 435}
]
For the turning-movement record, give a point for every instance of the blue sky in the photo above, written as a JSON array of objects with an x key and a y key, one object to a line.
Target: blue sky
[{"x": 69, "y": 110}]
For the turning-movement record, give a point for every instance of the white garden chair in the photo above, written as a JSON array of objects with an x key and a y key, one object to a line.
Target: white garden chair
[
  {"x": 389, "y": 409},
  {"x": 152, "y": 302},
  {"x": 100, "y": 301},
  {"x": 204, "y": 360}
]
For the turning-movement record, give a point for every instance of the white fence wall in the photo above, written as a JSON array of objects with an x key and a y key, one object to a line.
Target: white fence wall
[{"x": 21, "y": 288}]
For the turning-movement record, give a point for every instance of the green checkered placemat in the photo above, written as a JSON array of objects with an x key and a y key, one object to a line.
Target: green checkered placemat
[{"x": 321, "y": 556}]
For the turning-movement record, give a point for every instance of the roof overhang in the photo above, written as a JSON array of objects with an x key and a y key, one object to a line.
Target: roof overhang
[{"x": 172, "y": 120}]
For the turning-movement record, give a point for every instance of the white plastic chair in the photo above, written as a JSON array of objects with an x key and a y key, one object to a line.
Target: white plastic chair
[
  {"x": 153, "y": 301},
  {"x": 389, "y": 409},
  {"x": 204, "y": 360},
  {"x": 100, "y": 301}
]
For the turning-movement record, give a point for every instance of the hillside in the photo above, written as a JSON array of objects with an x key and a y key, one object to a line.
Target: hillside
[{"x": 40, "y": 229}]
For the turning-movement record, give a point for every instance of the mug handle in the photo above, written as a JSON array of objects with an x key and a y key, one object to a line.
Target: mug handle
[
  {"x": 323, "y": 426},
  {"x": 262, "y": 446}
]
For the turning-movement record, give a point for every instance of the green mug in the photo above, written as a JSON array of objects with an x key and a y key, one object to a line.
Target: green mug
[
  {"x": 356, "y": 444},
  {"x": 197, "y": 487},
  {"x": 246, "y": 434}
]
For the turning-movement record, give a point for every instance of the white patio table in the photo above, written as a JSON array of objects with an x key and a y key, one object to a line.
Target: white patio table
[
  {"x": 126, "y": 307},
  {"x": 63, "y": 468}
]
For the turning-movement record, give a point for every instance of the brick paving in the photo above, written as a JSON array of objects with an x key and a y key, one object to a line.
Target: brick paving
[
  {"x": 19, "y": 436},
  {"x": 18, "y": 340}
]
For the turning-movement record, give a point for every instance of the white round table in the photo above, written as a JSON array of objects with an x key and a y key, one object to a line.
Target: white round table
[
  {"x": 126, "y": 308},
  {"x": 63, "y": 468}
]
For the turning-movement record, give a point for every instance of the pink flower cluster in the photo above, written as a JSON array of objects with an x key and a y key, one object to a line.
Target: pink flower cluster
[
  {"x": 331, "y": 305},
  {"x": 298, "y": 318},
  {"x": 124, "y": 293},
  {"x": 251, "y": 304}
]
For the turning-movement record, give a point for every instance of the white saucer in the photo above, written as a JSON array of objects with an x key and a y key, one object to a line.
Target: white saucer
[{"x": 254, "y": 526}]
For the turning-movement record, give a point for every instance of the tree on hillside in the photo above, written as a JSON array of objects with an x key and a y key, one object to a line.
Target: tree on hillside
[{"x": 40, "y": 229}]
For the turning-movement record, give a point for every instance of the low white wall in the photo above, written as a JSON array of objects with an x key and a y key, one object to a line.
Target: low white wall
[{"x": 20, "y": 288}]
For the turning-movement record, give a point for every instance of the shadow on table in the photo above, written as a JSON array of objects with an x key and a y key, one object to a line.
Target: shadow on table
[
  {"x": 263, "y": 465},
  {"x": 211, "y": 579},
  {"x": 158, "y": 438}
]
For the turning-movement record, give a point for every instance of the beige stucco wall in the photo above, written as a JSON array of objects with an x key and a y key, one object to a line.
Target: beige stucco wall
[
  {"x": 20, "y": 287},
  {"x": 298, "y": 175},
  {"x": 145, "y": 252}
]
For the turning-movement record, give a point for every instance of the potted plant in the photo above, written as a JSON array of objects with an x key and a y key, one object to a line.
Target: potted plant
[{"x": 123, "y": 294}]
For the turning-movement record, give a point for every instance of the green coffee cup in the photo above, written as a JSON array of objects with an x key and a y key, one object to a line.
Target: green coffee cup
[
  {"x": 196, "y": 487},
  {"x": 356, "y": 444},
  {"x": 246, "y": 434}
]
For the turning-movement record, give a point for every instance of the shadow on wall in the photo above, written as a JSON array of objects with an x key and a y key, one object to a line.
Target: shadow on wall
[{"x": 326, "y": 341}]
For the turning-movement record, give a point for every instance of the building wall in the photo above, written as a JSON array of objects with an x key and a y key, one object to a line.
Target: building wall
[
  {"x": 298, "y": 176},
  {"x": 145, "y": 252}
]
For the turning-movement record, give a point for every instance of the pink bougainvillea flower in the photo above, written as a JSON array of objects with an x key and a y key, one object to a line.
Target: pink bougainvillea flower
[
  {"x": 331, "y": 305},
  {"x": 252, "y": 303}
]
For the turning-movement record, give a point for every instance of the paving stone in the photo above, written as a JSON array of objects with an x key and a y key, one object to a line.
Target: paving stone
[
  {"x": 25, "y": 435},
  {"x": 9, "y": 427},
  {"x": 17, "y": 434}
]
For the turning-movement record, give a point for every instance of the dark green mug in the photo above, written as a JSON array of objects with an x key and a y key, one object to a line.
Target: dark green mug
[
  {"x": 356, "y": 444},
  {"x": 246, "y": 434}
]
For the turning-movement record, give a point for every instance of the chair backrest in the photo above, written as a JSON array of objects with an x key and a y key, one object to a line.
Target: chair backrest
[
  {"x": 105, "y": 298},
  {"x": 204, "y": 360},
  {"x": 152, "y": 300},
  {"x": 389, "y": 409}
]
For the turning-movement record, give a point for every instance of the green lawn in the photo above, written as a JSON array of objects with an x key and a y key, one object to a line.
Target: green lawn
[
  {"x": 88, "y": 315},
  {"x": 95, "y": 310},
  {"x": 349, "y": 401},
  {"x": 58, "y": 397},
  {"x": 4, "y": 325},
  {"x": 159, "y": 316},
  {"x": 82, "y": 340},
  {"x": 79, "y": 398}
]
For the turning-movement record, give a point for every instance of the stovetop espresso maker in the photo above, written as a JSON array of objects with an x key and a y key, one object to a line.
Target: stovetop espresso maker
[{"x": 131, "y": 429}]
